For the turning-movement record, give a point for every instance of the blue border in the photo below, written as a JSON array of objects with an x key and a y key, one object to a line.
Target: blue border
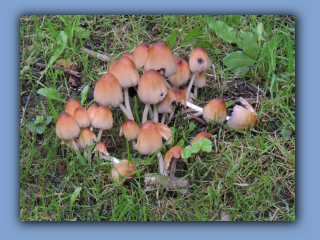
[{"x": 307, "y": 61}]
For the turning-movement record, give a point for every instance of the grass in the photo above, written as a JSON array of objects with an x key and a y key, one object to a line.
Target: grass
[{"x": 247, "y": 177}]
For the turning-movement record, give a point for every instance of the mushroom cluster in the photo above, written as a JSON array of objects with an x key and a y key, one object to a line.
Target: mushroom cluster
[{"x": 160, "y": 96}]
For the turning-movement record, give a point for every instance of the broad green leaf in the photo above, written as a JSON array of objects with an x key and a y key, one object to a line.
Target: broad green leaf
[
  {"x": 192, "y": 126},
  {"x": 230, "y": 103},
  {"x": 249, "y": 44},
  {"x": 225, "y": 32},
  {"x": 180, "y": 143},
  {"x": 192, "y": 36},
  {"x": 270, "y": 46},
  {"x": 84, "y": 94},
  {"x": 286, "y": 133},
  {"x": 239, "y": 71},
  {"x": 204, "y": 45},
  {"x": 238, "y": 59},
  {"x": 36, "y": 128},
  {"x": 39, "y": 119},
  {"x": 206, "y": 144},
  {"x": 172, "y": 39},
  {"x": 186, "y": 152},
  {"x": 48, "y": 120},
  {"x": 196, "y": 147},
  {"x": 82, "y": 33},
  {"x": 49, "y": 93}
]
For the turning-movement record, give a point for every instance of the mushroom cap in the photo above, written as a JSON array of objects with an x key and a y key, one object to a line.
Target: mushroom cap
[
  {"x": 183, "y": 73},
  {"x": 107, "y": 91},
  {"x": 121, "y": 169},
  {"x": 86, "y": 138},
  {"x": 199, "y": 60},
  {"x": 92, "y": 110},
  {"x": 242, "y": 118},
  {"x": 140, "y": 55},
  {"x": 200, "y": 80},
  {"x": 215, "y": 110},
  {"x": 164, "y": 131},
  {"x": 151, "y": 88},
  {"x": 161, "y": 59},
  {"x": 102, "y": 118},
  {"x": 128, "y": 55},
  {"x": 111, "y": 65},
  {"x": 166, "y": 105},
  {"x": 149, "y": 138},
  {"x": 200, "y": 136},
  {"x": 67, "y": 127},
  {"x": 101, "y": 147},
  {"x": 71, "y": 105},
  {"x": 174, "y": 152},
  {"x": 180, "y": 96},
  {"x": 125, "y": 72},
  {"x": 82, "y": 117},
  {"x": 130, "y": 129}
]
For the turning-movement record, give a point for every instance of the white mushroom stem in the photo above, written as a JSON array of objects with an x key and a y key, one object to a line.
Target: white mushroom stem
[
  {"x": 99, "y": 135},
  {"x": 190, "y": 85},
  {"x": 125, "y": 111},
  {"x": 194, "y": 107},
  {"x": 134, "y": 144},
  {"x": 195, "y": 91},
  {"x": 145, "y": 113},
  {"x": 126, "y": 100},
  {"x": 161, "y": 164},
  {"x": 163, "y": 119},
  {"x": 150, "y": 113},
  {"x": 155, "y": 113},
  {"x": 74, "y": 145}
]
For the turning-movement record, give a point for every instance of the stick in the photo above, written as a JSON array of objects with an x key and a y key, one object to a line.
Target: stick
[
  {"x": 102, "y": 57},
  {"x": 66, "y": 70}
]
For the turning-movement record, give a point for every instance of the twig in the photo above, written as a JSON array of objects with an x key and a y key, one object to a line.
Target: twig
[
  {"x": 102, "y": 57},
  {"x": 66, "y": 70}
]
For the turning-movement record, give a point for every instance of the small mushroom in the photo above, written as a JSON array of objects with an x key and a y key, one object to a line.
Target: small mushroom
[
  {"x": 81, "y": 116},
  {"x": 86, "y": 139},
  {"x": 200, "y": 136},
  {"x": 169, "y": 163},
  {"x": 123, "y": 171},
  {"x": 130, "y": 129},
  {"x": 215, "y": 110},
  {"x": 101, "y": 150},
  {"x": 140, "y": 55},
  {"x": 103, "y": 120},
  {"x": 182, "y": 74},
  {"x": 71, "y": 105},
  {"x": 91, "y": 111}
]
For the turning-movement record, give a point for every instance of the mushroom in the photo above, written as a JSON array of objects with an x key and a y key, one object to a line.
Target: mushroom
[
  {"x": 86, "y": 139},
  {"x": 200, "y": 82},
  {"x": 198, "y": 62},
  {"x": 200, "y": 136},
  {"x": 101, "y": 149},
  {"x": 127, "y": 75},
  {"x": 191, "y": 96},
  {"x": 123, "y": 171},
  {"x": 160, "y": 58},
  {"x": 91, "y": 111},
  {"x": 243, "y": 118},
  {"x": 81, "y": 116},
  {"x": 102, "y": 119},
  {"x": 182, "y": 74},
  {"x": 71, "y": 105},
  {"x": 215, "y": 110},
  {"x": 175, "y": 153},
  {"x": 67, "y": 128},
  {"x": 140, "y": 55},
  {"x": 107, "y": 92},
  {"x": 128, "y": 55},
  {"x": 130, "y": 129},
  {"x": 151, "y": 90},
  {"x": 167, "y": 105}
]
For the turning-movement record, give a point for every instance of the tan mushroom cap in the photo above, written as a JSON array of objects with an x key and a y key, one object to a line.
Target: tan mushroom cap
[
  {"x": 140, "y": 55},
  {"x": 67, "y": 127},
  {"x": 111, "y": 65},
  {"x": 149, "y": 139},
  {"x": 200, "y": 136},
  {"x": 200, "y": 80},
  {"x": 199, "y": 60},
  {"x": 183, "y": 73},
  {"x": 102, "y": 118},
  {"x": 174, "y": 152},
  {"x": 71, "y": 105},
  {"x": 86, "y": 138},
  {"x": 242, "y": 118},
  {"x": 92, "y": 110},
  {"x": 161, "y": 59},
  {"x": 151, "y": 88},
  {"x": 107, "y": 91},
  {"x": 166, "y": 105},
  {"x": 125, "y": 72},
  {"x": 164, "y": 131},
  {"x": 191, "y": 96},
  {"x": 180, "y": 96},
  {"x": 215, "y": 110},
  {"x": 128, "y": 55},
  {"x": 101, "y": 148},
  {"x": 130, "y": 129},
  {"x": 82, "y": 117},
  {"x": 122, "y": 169}
]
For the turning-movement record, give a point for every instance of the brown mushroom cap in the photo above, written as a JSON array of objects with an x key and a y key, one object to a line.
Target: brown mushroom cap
[
  {"x": 180, "y": 96},
  {"x": 200, "y": 136},
  {"x": 242, "y": 118},
  {"x": 125, "y": 72},
  {"x": 92, "y": 110},
  {"x": 140, "y": 55},
  {"x": 71, "y": 105},
  {"x": 101, "y": 148},
  {"x": 183, "y": 73},
  {"x": 151, "y": 88},
  {"x": 164, "y": 131},
  {"x": 174, "y": 152},
  {"x": 82, "y": 117},
  {"x": 128, "y": 55},
  {"x": 199, "y": 60},
  {"x": 200, "y": 80},
  {"x": 149, "y": 138},
  {"x": 102, "y": 118},
  {"x": 86, "y": 138},
  {"x": 166, "y": 105},
  {"x": 122, "y": 169},
  {"x": 215, "y": 110},
  {"x": 67, "y": 127},
  {"x": 130, "y": 129},
  {"x": 161, "y": 59},
  {"x": 107, "y": 91}
]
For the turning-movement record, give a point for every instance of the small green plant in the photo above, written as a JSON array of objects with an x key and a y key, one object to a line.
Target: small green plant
[
  {"x": 203, "y": 144},
  {"x": 39, "y": 125}
]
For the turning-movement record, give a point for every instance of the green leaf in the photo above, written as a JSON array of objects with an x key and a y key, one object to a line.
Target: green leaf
[
  {"x": 74, "y": 196},
  {"x": 172, "y": 39},
  {"x": 180, "y": 143},
  {"x": 249, "y": 44},
  {"x": 239, "y": 71},
  {"x": 270, "y": 46},
  {"x": 286, "y": 133},
  {"x": 39, "y": 119},
  {"x": 237, "y": 59},
  {"x": 225, "y": 32},
  {"x": 84, "y": 94},
  {"x": 192, "y": 126},
  {"x": 230, "y": 103},
  {"x": 48, "y": 120},
  {"x": 260, "y": 31},
  {"x": 36, "y": 128},
  {"x": 82, "y": 33},
  {"x": 206, "y": 144},
  {"x": 186, "y": 152},
  {"x": 204, "y": 45},
  {"x": 49, "y": 93},
  {"x": 192, "y": 36},
  {"x": 195, "y": 147}
]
